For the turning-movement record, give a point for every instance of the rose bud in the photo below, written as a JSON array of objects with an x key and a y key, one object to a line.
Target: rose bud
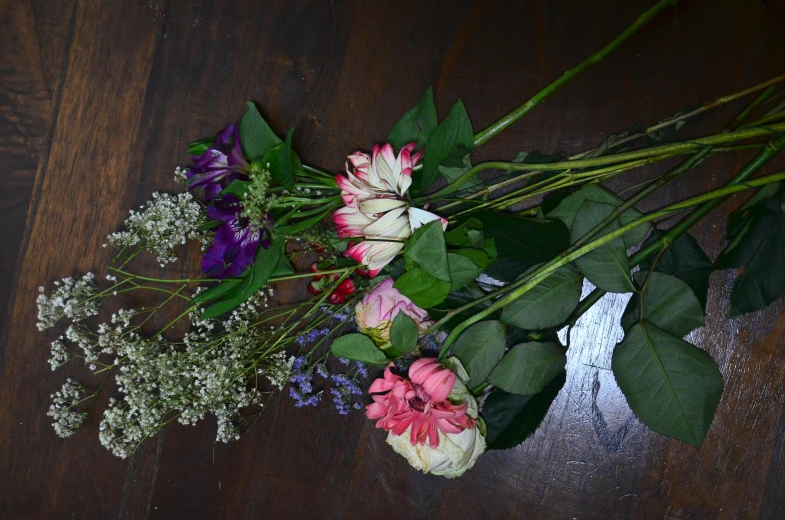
[{"x": 378, "y": 308}]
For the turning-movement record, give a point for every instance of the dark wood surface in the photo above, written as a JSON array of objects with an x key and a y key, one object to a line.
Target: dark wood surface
[{"x": 98, "y": 98}]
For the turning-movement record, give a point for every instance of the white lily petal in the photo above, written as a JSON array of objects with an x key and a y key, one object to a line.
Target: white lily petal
[
  {"x": 384, "y": 222},
  {"x": 419, "y": 217},
  {"x": 380, "y": 205}
]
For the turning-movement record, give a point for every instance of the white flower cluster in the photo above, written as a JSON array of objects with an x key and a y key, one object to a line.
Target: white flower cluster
[
  {"x": 257, "y": 201},
  {"x": 205, "y": 374},
  {"x": 66, "y": 420},
  {"x": 72, "y": 298},
  {"x": 280, "y": 369},
  {"x": 168, "y": 221}
]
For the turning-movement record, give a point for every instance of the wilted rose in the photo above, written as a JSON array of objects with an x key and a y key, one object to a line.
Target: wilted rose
[
  {"x": 419, "y": 409},
  {"x": 377, "y": 310}
]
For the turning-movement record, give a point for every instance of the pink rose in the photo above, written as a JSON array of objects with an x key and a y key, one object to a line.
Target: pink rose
[
  {"x": 418, "y": 404},
  {"x": 377, "y": 310},
  {"x": 434, "y": 405}
]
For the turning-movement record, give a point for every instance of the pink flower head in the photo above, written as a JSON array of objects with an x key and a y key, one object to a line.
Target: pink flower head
[
  {"x": 420, "y": 402},
  {"x": 374, "y": 193},
  {"x": 379, "y": 307}
]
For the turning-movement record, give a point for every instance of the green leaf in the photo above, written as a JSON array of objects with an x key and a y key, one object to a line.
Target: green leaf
[
  {"x": 281, "y": 162},
  {"x": 759, "y": 247},
  {"x": 284, "y": 267},
  {"x": 607, "y": 266},
  {"x": 453, "y": 172},
  {"x": 358, "y": 347},
  {"x": 548, "y": 303},
  {"x": 416, "y": 125},
  {"x": 568, "y": 207},
  {"x": 265, "y": 263},
  {"x": 462, "y": 271},
  {"x": 223, "y": 288},
  {"x": 468, "y": 234},
  {"x": 673, "y": 387},
  {"x": 291, "y": 229},
  {"x": 668, "y": 303},
  {"x": 427, "y": 249},
  {"x": 256, "y": 136},
  {"x": 210, "y": 224},
  {"x": 480, "y": 347},
  {"x": 237, "y": 188},
  {"x": 448, "y": 145},
  {"x": 510, "y": 419},
  {"x": 404, "y": 333},
  {"x": 528, "y": 367},
  {"x": 686, "y": 260},
  {"x": 200, "y": 146},
  {"x": 521, "y": 242},
  {"x": 422, "y": 288}
]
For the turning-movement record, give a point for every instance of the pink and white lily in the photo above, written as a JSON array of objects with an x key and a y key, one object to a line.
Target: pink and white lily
[{"x": 376, "y": 208}]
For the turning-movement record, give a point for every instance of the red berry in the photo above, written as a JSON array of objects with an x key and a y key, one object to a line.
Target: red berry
[
  {"x": 346, "y": 287},
  {"x": 313, "y": 289},
  {"x": 362, "y": 272},
  {"x": 336, "y": 298},
  {"x": 315, "y": 269},
  {"x": 318, "y": 248}
]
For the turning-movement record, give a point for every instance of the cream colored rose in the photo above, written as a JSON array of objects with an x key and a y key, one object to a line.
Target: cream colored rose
[{"x": 457, "y": 452}]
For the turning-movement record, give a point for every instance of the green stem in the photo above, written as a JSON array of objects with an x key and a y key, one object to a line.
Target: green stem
[
  {"x": 521, "y": 287},
  {"x": 577, "y": 164},
  {"x": 565, "y": 78}
]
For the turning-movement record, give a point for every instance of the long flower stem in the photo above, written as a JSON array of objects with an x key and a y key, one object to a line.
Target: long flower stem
[
  {"x": 518, "y": 289},
  {"x": 774, "y": 147},
  {"x": 673, "y": 148},
  {"x": 686, "y": 166},
  {"x": 565, "y": 78}
]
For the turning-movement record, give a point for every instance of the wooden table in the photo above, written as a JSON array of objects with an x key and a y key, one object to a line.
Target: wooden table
[{"x": 98, "y": 101}]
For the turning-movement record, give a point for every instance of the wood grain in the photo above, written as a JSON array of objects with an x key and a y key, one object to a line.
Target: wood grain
[{"x": 96, "y": 102}]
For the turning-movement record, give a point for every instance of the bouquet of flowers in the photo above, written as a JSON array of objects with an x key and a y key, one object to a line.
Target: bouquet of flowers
[{"x": 440, "y": 293}]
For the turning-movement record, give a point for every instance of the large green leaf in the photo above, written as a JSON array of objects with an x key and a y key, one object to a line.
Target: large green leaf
[
  {"x": 416, "y": 125},
  {"x": 423, "y": 289},
  {"x": 521, "y": 242},
  {"x": 668, "y": 302},
  {"x": 759, "y": 246},
  {"x": 358, "y": 347},
  {"x": 480, "y": 347},
  {"x": 448, "y": 145},
  {"x": 510, "y": 419},
  {"x": 265, "y": 263},
  {"x": 607, "y": 266},
  {"x": 672, "y": 386},
  {"x": 569, "y": 205},
  {"x": 686, "y": 260},
  {"x": 548, "y": 303},
  {"x": 528, "y": 367},
  {"x": 281, "y": 163},
  {"x": 426, "y": 248},
  {"x": 403, "y": 333},
  {"x": 462, "y": 271},
  {"x": 256, "y": 136}
]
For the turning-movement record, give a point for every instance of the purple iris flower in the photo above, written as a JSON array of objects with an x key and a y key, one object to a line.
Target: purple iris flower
[
  {"x": 236, "y": 240},
  {"x": 217, "y": 167}
]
